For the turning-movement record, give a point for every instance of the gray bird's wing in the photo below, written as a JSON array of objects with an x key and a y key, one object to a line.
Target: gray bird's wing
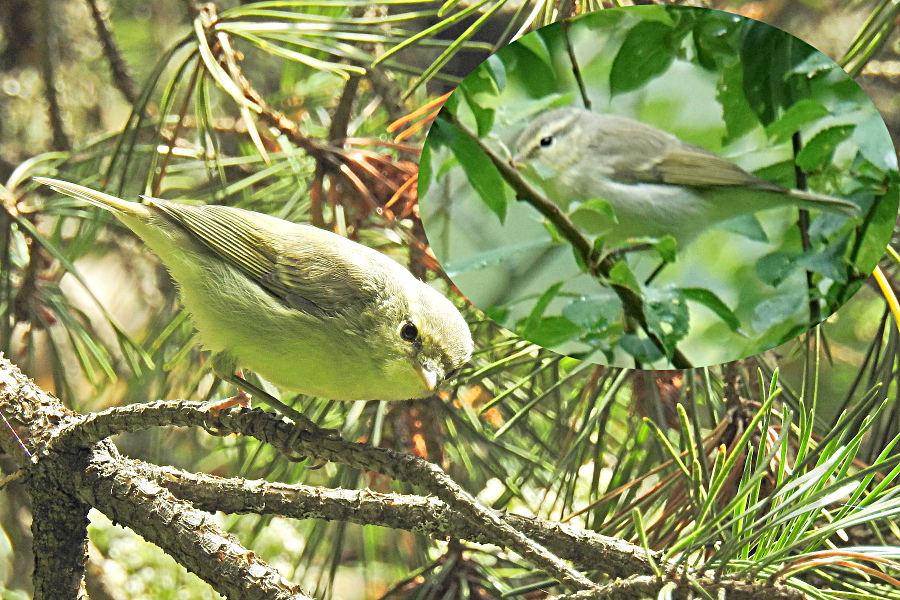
[{"x": 655, "y": 156}]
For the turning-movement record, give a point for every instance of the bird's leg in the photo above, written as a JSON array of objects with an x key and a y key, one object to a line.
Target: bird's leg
[
  {"x": 242, "y": 398},
  {"x": 617, "y": 254},
  {"x": 246, "y": 390},
  {"x": 296, "y": 416}
]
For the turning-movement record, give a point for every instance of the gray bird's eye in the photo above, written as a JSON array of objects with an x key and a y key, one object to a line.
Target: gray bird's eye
[{"x": 547, "y": 141}]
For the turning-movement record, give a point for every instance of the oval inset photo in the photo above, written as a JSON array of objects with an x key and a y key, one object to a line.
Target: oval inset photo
[{"x": 658, "y": 187}]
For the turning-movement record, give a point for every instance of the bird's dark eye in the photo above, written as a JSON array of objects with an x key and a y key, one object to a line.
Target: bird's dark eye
[
  {"x": 547, "y": 141},
  {"x": 409, "y": 332}
]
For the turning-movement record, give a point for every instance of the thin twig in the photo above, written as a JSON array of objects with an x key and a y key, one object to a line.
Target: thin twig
[
  {"x": 576, "y": 70},
  {"x": 122, "y": 78},
  {"x": 48, "y": 75},
  {"x": 815, "y": 310}
]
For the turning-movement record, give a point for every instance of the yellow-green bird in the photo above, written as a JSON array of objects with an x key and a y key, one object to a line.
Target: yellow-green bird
[{"x": 307, "y": 309}]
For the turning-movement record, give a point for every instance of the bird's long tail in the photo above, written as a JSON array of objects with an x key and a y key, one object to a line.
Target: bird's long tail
[
  {"x": 105, "y": 201},
  {"x": 827, "y": 203}
]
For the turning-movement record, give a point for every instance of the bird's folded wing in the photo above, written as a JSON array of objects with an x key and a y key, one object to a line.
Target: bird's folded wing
[
  {"x": 308, "y": 281},
  {"x": 696, "y": 168}
]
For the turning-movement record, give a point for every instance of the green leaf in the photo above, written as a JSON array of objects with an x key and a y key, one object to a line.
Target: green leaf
[
  {"x": 551, "y": 331},
  {"x": 538, "y": 46},
  {"x": 711, "y": 301},
  {"x": 642, "y": 349},
  {"x": 747, "y": 226},
  {"x": 716, "y": 36},
  {"x": 803, "y": 112},
  {"x": 593, "y": 314},
  {"x": 827, "y": 261},
  {"x": 737, "y": 113},
  {"x": 520, "y": 57},
  {"x": 605, "y": 20},
  {"x": 496, "y": 256},
  {"x": 815, "y": 64},
  {"x": 881, "y": 223},
  {"x": 481, "y": 92},
  {"x": 666, "y": 247},
  {"x": 667, "y": 315},
  {"x": 479, "y": 169},
  {"x": 783, "y": 173},
  {"x": 768, "y": 56},
  {"x": 646, "y": 53},
  {"x": 594, "y": 216},
  {"x": 774, "y": 268},
  {"x": 497, "y": 314},
  {"x": 621, "y": 274},
  {"x": 817, "y": 152},
  {"x": 779, "y": 310},
  {"x": 783, "y": 332},
  {"x": 425, "y": 172},
  {"x": 874, "y": 141},
  {"x": 540, "y": 306}
]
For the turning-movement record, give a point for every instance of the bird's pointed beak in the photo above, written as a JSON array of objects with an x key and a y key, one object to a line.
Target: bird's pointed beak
[{"x": 429, "y": 376}]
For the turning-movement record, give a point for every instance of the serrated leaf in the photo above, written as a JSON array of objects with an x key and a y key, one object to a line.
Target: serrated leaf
[
  {"x": 874, "y": 141},
  {"x": 815, "y": 64},
  {"x": 768, "y": 56},
  {"x": 737, "y": 113}
]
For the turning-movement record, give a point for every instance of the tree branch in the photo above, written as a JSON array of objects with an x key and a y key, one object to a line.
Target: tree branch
[
  {"x": 293, "y": 441},
  {"x": 68, "y": 432},
  {"x": 113, "y": 486},
  {"x": 421, "y": 514},
  {"x": 67, "y": 454}
]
